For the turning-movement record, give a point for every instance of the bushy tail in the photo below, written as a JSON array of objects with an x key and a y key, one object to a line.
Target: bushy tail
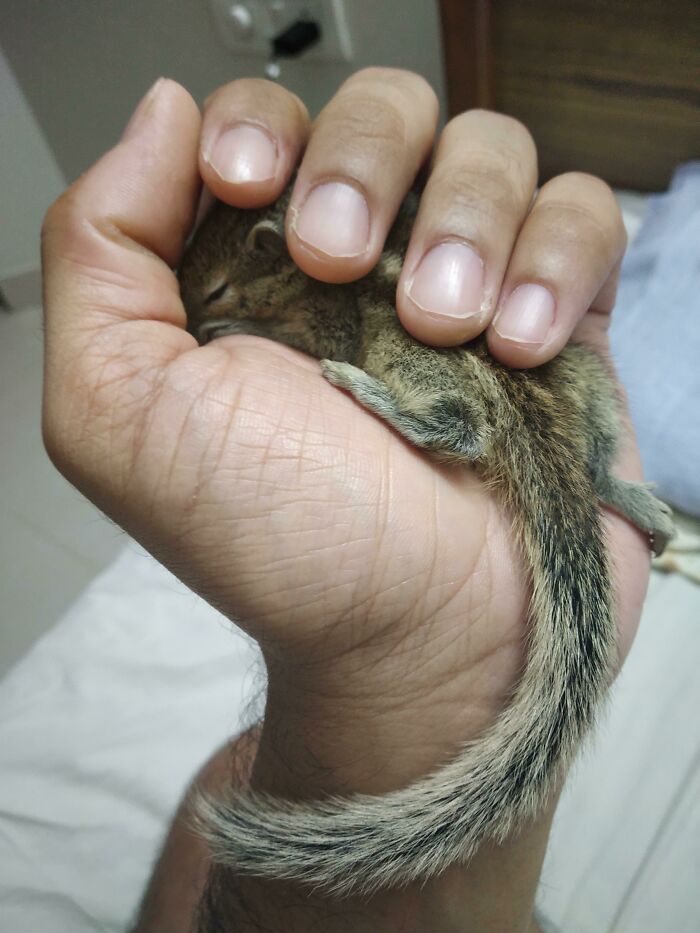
[{"x": 363, "y": 843}]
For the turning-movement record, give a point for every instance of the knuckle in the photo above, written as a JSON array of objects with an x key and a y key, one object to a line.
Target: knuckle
[
  {"x": 367, "y": 122},
  {"x": 405, "y": 90},
  {"x": 587, "y": 198},
  {"x": 501, "y": 123},
  {"x": 585, "y": 184},
  {"x": 483, "y": 185},
  {"x": 500, "y": 159},
  {"x": 383, "y": 76},
  {"x": 504, "y": 131},
  {"x": 380, "y": 115}
]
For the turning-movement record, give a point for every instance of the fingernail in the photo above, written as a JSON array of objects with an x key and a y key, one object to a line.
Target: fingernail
[
  {"x": 244, "y": 153},
  {"x": 527, "y": 315},
  {"x": 143, "y": 110},
  {"x": 449, "y": 281},
  {"x": 334, "y": 220}
]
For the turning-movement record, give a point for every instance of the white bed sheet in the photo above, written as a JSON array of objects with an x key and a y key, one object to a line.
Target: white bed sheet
[
  {"x": 101, "y": 726},
  {"x": 111, "y": 713}
]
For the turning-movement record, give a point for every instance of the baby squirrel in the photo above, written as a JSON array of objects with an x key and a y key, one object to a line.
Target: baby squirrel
[{"x": 543, "y": 439}]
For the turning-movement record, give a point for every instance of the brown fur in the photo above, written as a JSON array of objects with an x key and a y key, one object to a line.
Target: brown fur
[{"x": 543, "y": 439}]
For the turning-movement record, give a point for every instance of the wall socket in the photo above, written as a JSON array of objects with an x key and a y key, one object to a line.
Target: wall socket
[{"x": 248, "y": 27}]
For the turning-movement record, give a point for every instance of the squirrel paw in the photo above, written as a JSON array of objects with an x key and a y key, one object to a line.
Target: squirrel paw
[
  {"x": 637, "y": 502},
  {"x": 443, "y": 424}
]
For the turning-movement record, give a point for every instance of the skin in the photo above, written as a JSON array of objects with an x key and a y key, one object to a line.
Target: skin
[{"x": 385, "y": 590}]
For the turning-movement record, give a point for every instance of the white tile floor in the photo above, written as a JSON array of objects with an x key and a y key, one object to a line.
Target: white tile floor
[{"x": 52, "y": 541}]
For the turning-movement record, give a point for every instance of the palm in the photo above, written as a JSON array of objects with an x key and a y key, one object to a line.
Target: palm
[{"x": 326, "y": 535}]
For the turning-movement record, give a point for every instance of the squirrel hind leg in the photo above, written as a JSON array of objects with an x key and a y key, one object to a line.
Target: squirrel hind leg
[
  {"x": 440, "y": 423},
  {"x": 637, "y": 502}
]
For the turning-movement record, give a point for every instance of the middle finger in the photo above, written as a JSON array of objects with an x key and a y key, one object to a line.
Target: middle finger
[{"x": 365, "y": 150}]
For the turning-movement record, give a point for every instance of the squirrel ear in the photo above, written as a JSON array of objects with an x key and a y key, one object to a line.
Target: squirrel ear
[{"x": 268, "y": 236}]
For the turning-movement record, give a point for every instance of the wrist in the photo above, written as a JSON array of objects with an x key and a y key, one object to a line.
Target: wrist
[
  {"x": 373, "y": 721},
  {"x": 494, "y": 892}
]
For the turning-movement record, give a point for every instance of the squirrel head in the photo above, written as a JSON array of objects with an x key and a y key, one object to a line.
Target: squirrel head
[{"x": 237, "y": 275}]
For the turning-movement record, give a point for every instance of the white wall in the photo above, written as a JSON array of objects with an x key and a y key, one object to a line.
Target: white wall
[
  {"x": 84, "y": 64},
  {"x": 29, "y": 179}
]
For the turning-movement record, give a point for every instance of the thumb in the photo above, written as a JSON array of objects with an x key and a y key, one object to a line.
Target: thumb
[{"x": 113, "y": 312}]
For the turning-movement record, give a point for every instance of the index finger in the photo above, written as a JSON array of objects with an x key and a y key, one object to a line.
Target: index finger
[{"x": 252, "y": 135}]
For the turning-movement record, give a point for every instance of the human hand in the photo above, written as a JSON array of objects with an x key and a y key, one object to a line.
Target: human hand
[{"x": 386, "y": 591}]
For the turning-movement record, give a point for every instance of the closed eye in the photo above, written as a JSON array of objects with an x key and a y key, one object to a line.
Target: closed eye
[{"x": 216, "y": 294}]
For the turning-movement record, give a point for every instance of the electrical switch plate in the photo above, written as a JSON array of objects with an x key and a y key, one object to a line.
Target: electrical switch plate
[{"x": 248, "y": 28}]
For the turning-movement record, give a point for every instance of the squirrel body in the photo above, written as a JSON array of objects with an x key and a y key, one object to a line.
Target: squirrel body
[{"x": 543, "y": 440}]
